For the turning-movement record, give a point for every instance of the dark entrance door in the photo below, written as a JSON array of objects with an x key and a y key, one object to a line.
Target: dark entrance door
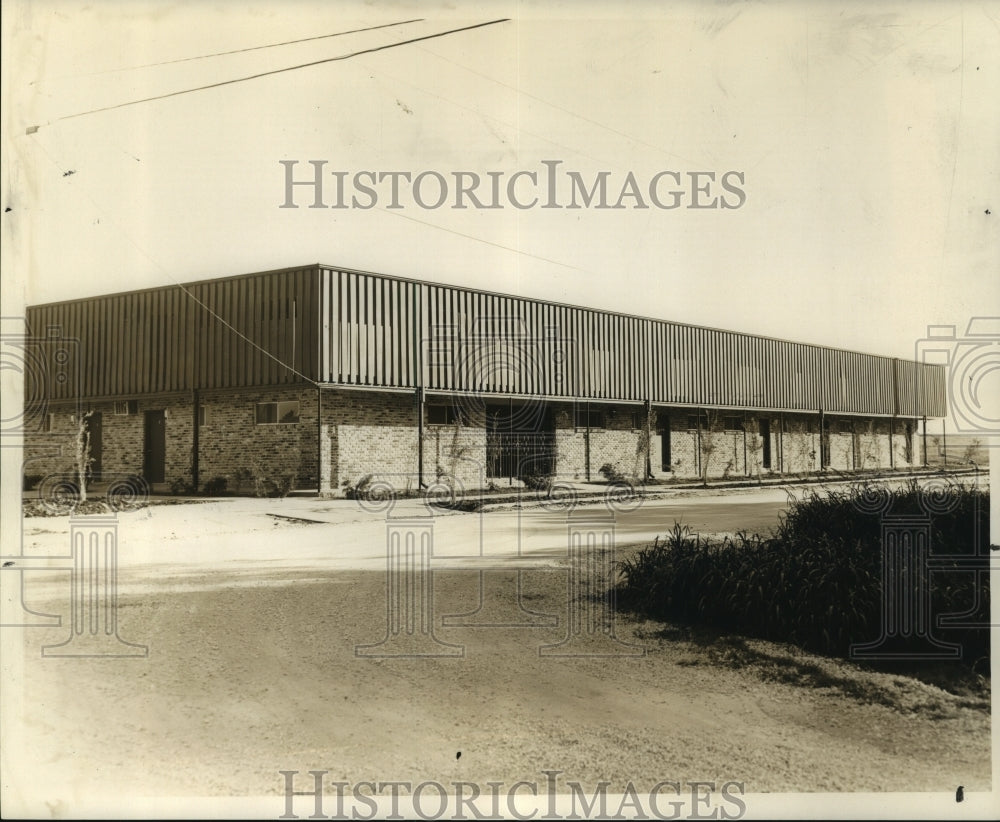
[
  {"x": 765, "y": 435},
  {"x": 663, "y": 429},
  {"x": 95, "y": 428},
  {"x": 155, "y": 449},
  {"x": 520, "y": 440}
]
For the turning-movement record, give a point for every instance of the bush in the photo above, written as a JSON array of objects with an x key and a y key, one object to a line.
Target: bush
[
  {"x": 280, "y": 486},
  {"x": 358, "y": 489},
  {"x": 816, "y": 581},
  {"x": 215, "y": 486},
  {"x": 181, "y": 487},
  {"x": 283, "y": 485},
  {"x": 610, "y": 473},
  {"x": 243, "y": 479},
  {"x": 537, "y": 482}
]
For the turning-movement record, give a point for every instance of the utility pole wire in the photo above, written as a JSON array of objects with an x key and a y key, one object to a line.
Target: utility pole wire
[
  {"x": 249, "y": 48},
  {"x": 372, "y": 50}
]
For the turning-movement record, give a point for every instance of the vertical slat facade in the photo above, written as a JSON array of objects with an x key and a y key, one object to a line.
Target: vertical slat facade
[{"x": 353, "y": 328}]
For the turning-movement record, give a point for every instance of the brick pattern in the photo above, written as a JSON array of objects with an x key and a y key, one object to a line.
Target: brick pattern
[
  {"x": 52, "y": 451},
  {"x": 122, "y": 439},
  {"x": 370, "y": 433},
  {"x": 618, "y": 444},
  {"x": 683, "y": 448},
  {"x": 800, "y": 449},
  {"x": 375, "y": 433},
  {"x": 232, "y": 445}
]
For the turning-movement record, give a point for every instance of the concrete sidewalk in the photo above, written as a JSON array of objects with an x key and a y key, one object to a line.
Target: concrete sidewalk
[{"x": 565, "y": 493}]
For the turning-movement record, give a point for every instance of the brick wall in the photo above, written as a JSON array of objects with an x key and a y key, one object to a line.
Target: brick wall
[
  {"x": 458, "y": 452},
  {"x": 51, "y": 451},
  {"x": 232, "y": 445},
  {"x": 375, "y": 433},
  {"x": 900, "y": 449},
  {"x": 122, "y": 439},
  {"x": 618, "y": 444},
  {"x": 370, "y": 433},
  {"x": 841, "y": 450},
  {"x": 801, "y": 452},
  {"x": 683, "y": 448}
]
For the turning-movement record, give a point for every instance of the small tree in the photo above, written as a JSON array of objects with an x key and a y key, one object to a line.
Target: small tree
[
  {"x": 868, "y": 446},
  {"x": 801, "y": 444},
  {"x": 755, "y": 445},
  {"x": 82, "y": 459},
  {"x": 707, "y": 444},
  {"x": 457, "y": 451},
  {"x": 969, "y": 454},
  {"x": 644, "y": 447}
]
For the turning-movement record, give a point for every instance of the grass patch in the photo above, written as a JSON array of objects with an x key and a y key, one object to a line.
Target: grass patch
[{"x": 36, "y": 508}]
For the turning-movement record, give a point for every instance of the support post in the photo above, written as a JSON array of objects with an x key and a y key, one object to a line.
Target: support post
[
  {"x": 746, "y": 468},
  {"x": 892, "y": 450},
  {"x": 781, "y": 443},
  {"x": 420, "y": 437},
  {"x": 944, "y": 441},
  {"x": 319, "y": 439},
  {"x": 196, "y": 438},
  {"x": 822, "y": 440},
  {"x": 854, "y": 444},
  {"x": 649, "y": 439},
  {"x": 697, "y": 445}
]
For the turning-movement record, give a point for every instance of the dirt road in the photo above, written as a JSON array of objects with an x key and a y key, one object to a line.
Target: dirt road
[{"x": 252, "y": 669}]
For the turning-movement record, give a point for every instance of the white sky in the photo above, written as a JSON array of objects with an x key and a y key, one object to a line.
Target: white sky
[
  {"x": 869, "y": 137},
  {"x": 870, "y": 141}
]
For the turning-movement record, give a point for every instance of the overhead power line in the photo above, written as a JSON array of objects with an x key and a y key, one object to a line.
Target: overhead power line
[
  {"x": 248, "y": 48},
  {"x": 258, "y": 75}
]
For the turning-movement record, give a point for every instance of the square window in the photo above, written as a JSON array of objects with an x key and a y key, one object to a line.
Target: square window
[
  {"x": 281, "y": 413},
  {"x": 442, "y": 415},
  {"x": 589, "y": 418}
]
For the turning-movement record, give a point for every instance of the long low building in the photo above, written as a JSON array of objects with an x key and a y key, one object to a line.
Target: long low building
[{"x": 328, "y": 378}]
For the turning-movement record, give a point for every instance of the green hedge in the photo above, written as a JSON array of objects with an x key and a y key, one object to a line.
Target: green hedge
[{"x": 816, "y": 580}]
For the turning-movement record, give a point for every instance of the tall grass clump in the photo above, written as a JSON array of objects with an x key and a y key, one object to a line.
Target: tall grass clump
[{"x": 816, "y": 580}]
